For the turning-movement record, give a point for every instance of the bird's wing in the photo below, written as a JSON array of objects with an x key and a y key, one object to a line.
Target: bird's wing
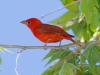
[{"x": 50, "y": 29}]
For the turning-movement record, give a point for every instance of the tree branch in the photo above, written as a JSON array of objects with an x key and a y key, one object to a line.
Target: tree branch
[
  {"x": 60, "y": 8},
  {"x": 42, "y": 47},
  {"x": 36, "y": 47}
]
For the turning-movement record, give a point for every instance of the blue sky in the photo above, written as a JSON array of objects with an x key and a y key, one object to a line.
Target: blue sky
[{"x": 14, "y": 33}]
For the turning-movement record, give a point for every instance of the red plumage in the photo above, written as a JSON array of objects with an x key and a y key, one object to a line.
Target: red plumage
[{"x": 47, "y": 33}]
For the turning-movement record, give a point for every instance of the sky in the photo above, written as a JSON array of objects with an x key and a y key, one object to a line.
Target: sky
[{"x": 14, "y": 33}]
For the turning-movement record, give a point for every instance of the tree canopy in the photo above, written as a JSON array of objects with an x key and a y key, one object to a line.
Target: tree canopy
[{"x": 83, "y": 18}]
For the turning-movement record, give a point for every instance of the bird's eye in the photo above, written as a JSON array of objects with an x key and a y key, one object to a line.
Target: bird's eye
[{"x": 28, "y": 22}]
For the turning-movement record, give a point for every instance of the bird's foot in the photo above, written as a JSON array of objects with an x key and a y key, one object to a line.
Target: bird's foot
[
  {"x": 45, "y": 45},
  {"x": 60, "y": 46}
]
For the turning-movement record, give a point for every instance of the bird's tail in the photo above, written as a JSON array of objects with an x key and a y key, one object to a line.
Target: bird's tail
[
  {"x": 71, "y": 36},
  {"x": 76, "y": 42}
]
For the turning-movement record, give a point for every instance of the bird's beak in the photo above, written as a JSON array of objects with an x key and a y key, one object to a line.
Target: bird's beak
[{"x": 23, "y": 22}]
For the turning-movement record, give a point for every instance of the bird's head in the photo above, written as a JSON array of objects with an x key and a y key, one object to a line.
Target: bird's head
[{"x": 32, "y": 22}]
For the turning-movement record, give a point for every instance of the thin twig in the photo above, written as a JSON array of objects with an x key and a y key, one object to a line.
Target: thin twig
[
  {"x": 79, "y": 49},
  {"x": 18, "y": 54},
  {"x": 60, "y": 8},
  {"x": 17, "y": 63}
]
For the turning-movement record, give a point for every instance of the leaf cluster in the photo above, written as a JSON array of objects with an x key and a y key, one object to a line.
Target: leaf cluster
[{"x": 83, "y": 18}]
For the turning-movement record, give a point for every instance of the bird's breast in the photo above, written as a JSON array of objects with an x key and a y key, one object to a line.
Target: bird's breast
[{"x": 49, "y": 38}]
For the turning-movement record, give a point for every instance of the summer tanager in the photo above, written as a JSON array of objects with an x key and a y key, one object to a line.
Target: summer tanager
[{"x": 47, "y": 33}]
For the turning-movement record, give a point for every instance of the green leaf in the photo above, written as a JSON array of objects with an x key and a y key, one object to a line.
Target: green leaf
[
  {"x": 86, "y": 7},
  {"x": 82, "y": 59},
  {"x": 64, "y": 18},
  {"x": 61, "y": 54},
  {"x": 95, "y": 19},
  {"x": 98, "y": 4},
  {"x": 52, "y": 71},
  {"x": 8, "y": 50},
  {"x": 92, "y": 53},
  {"x": 87, "y": 33},
  {"x": 69, "y": 15},
  {"x": 64, "y": 53},
  {"x": 77, "y": 29},
  {"x": 67, "y": 69},
  {"x": 73, "y": 7},
  {"x": 91, "y": 11},
  {"x": 2, "y": 49},
  {"x": 51, "y": 53},
  {"x": 85, "y": 67},
  {"x": 65, "y": 2},
  {"x": 82, "y": 31},
  {"x": 87, "y": 73},
  {"x": 81, "y": 17},
  {"x": 55, "y": 56}
]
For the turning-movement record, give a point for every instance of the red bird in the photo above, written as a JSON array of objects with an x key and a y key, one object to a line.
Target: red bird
[{"x": 47, "y": 33}]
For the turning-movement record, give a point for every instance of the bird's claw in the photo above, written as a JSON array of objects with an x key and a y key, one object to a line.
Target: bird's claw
[{"x": 45, "y": 47}]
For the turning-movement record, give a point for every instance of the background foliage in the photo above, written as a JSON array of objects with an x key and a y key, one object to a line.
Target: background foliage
[{"x": 83, "y": 18}]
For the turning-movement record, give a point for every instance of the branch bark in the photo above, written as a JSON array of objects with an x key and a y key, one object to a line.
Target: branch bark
[
  {"x": 36, "y": 47},
  {"x": 43, "y": 47}
]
